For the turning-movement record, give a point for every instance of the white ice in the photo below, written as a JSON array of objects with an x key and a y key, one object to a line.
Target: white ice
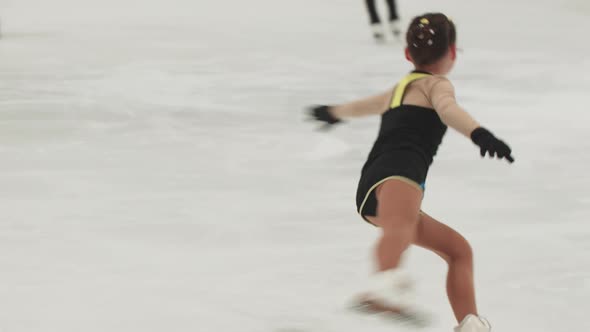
[{"x": 157, "y": 174}]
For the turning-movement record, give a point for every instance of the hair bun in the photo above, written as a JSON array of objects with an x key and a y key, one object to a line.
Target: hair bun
[
  {"x": 423, "y": 34},
  {"x": 429, "y": 36}
]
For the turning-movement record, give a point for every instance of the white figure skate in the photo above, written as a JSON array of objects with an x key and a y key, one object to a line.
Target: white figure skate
[
  {"x": 473, "y": 323},
  {"x": 378, "y": 33},
  {"x": 395, "y": 28},
  {"x": 391, "y": 293}
]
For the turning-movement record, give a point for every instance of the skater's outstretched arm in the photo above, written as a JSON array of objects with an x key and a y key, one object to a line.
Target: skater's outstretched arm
[
  {"x": 442, "y": 97},
  {"x": 374, "y": 105}
]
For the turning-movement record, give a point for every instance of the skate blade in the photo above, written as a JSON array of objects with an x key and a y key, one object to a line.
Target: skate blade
[{"x": 404, "y": 317}]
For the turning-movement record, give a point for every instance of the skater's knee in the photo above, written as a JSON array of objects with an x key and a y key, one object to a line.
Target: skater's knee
[
  {"x": 459, "y": 252},
  {"x": 462, "y": 252}
]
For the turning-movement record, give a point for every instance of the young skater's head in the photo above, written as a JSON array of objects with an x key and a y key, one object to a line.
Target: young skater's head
[{"x": 431, "y": 43}]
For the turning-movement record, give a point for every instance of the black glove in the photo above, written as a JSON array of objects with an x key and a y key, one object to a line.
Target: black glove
[
  {"x": 322, "y": 113},
  {"x": 490, "y": 144}
]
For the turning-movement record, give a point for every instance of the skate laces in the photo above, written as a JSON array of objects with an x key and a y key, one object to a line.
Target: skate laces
[{"x": 485, "y": 322}]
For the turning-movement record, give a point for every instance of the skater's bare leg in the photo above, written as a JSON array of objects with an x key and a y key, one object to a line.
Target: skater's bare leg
[
  {"x": 398, "y": 207},
  {"x": 398, "y": 210},
  {"x": 456, "y": 251}
]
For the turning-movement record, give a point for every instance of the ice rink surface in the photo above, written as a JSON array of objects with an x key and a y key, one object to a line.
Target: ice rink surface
[{"x": 157, "y": 174}]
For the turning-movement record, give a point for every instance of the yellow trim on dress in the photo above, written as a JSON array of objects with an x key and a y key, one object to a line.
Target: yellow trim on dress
[
  {"x": 400, "y": 90},
  {"x": 395, "y": 177}
]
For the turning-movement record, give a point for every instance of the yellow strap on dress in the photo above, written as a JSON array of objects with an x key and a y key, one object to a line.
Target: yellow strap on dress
[{"x": 398, "y": 95}]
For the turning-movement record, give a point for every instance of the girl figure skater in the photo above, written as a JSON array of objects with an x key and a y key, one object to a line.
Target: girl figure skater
[
  {"x": 375, "y": 21},
  {"x": 414, "y": 118}
]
